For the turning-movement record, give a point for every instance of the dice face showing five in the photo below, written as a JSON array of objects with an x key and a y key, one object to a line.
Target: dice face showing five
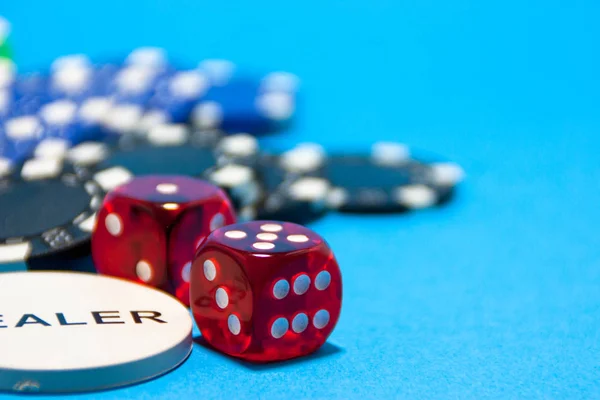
[
  {"x": 149, "y": 228},
  {"x": 265, "y": 290}
]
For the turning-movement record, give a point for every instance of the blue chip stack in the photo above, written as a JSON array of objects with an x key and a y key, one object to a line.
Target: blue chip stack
[
  {"x": 43, "y": 115},
  {"x": 238, "y": 102}
]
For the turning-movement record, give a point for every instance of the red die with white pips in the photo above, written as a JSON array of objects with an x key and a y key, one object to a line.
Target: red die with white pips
[
  {"x": 265, "y": 290},
  {"x": 149, "y": 228}
]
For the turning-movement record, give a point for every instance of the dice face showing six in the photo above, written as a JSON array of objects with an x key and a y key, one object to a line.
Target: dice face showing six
[
  {"x": 148, "y": 229},
  {"x": 265, "y": 290}
]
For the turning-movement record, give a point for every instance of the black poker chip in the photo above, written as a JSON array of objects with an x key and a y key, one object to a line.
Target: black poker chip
[
  {"x": 388, "y": 179},
  {"x": 236, "y": 173},
  {"x": 47, "y": 209},
  {"x": 294, "y": 188},
  {"x": 174, "y": 149},
  {"x": 241, "y": 184}
]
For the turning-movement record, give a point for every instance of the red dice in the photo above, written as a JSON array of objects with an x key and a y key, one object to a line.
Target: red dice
[
  {"x": 148, "y": 229},
  {"x": 265, "y": 291}
]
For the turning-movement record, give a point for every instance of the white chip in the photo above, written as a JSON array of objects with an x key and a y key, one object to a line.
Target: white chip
[
  {"x": 87, "y": 225},
  {"x": 309, "y": 189},
  {"x": 239, "y": 145},
  {"x": 389, "y": 153},
  {"x": 88, "y": 153},
  {"x": 52, "y": 148},
  {"x": 6, "y": 166},
  {"x": 188, "y": 84},
  {"x": 153, "y": 57},
  {"x": 416, "y": 196},
  {"x": 134, "y": 79},
  {"x": 168, "y": 135},
  {"x": 207, "y": 115},
  {"x": 13, "y": 253},
  {"x": 110, "y": 178},
  {"x": 337, "y": 197},
  {"x": 280, "y": 82},
  {"x": 304, "y": 157},
  {"x": 60, "y": 112},
  {"x": 447, "y": 174},
  {"x": 95, "y": 109},
  {"x": 218, "y": 71},
  {"x": 123, "y": 118},
  {"x": 232, "y": 175},
  {"x": 72, "y": 80},
  {"x": 70, "y": 61},
  {"x": 75, "y": 325},
  {"x": 152, "y": 119},
  {"x": 27, "y": 127},
  {"x": 277, "y": 106},
  {"x": 41, "y": 168}
]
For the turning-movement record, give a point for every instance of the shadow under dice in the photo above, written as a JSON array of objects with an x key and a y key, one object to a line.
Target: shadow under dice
[
  {"x": 149, "y": 228},
  {"x": 265, "y": 290}
]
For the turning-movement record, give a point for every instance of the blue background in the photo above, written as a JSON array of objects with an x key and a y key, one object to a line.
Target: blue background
[{"x": 496, "y": 295}]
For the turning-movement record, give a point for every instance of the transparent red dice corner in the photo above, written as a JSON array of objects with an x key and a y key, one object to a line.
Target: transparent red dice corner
[
  {"x": 148, "y": 229},
  {"x": 265, "y": 290}
]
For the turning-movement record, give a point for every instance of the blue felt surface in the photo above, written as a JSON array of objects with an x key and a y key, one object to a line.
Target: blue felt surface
[{"x": 494, "y": 296}]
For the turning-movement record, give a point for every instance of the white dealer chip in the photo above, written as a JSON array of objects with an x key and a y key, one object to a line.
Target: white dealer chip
[{"x": 73, "y": 332}]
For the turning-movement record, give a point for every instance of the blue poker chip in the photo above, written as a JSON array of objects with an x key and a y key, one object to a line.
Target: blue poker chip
[
  {"x": 131, "y": 94},
  {"x": 176, "y": 95},
  {"x": 47, "y": 208},
  {"x": 6, "y": 103},
  {"x": 71, "y": 77},
  {"x": 388, "y": 179},
  {"x": 19, "y": 137},
  {"x": 66, "y": 123},
  {"x": 124, "y": 118},
  {"x": 239, "y": 106},
  {"x": 134, "y": 84},
  {"x": 74, "y": 77},
  {"x": 242, "y": 103},
  {"x": 27, "y": 94}
]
